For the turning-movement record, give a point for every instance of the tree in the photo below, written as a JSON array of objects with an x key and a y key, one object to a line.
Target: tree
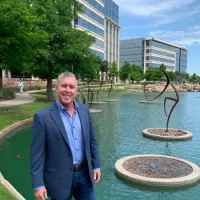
[
  {"x": 163, "y": 67},
  {"x": 90, "y": 67},
  {"x": 150, "y": 74},
  {"x": 67, "y": 47},
  {"x": 171, "y": 75},
  {"x": 113, "y": 72},
  {"x": 194, "y": 77},
  {"x": 104, "y": 66},
  {"x": 20, "y": 39},
  {"x": 124, "y": 71},
  {"x": 136, "y": 73}
]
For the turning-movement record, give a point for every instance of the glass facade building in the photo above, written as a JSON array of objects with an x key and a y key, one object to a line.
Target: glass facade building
[
  {"x": 111, "y": 31},
  {"x": 100, "y": 19},
  {"x": 150, "y": 52}
]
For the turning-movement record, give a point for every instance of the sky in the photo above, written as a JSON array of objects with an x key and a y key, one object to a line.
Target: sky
[{"x": 174, "y": 21}]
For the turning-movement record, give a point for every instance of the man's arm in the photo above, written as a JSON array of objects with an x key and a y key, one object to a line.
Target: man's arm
[
  {"x": 94, "y": 146},
  {"x": 37, "y": 152}
]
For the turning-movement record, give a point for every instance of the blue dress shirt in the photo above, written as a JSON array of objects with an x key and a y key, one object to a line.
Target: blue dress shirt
[{"x": 74, "y": 132}]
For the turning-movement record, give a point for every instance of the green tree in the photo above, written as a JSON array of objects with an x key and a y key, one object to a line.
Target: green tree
[
  {"x": 20, "y": 39},
  {"x": 163, "y": 67},
  {"x": 113, "y": 70},
  {"x": 67, "y": 47},
  {"x": 124, "y": 71},
  {"x": 150, "y": 74},
  {"x": 90, "y": 67},
  {"x": 194, "y": 77},
  {"x": 104, "y": 66},
  {"x": 136, "y": 73},
  {"x": 171, "y": 75},
  {"x": 187, "y": 76}
]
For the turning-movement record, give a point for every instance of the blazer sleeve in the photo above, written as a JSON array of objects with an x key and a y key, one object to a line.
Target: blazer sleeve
[
  {"x": 37, "y": 152},
  {"x": 93, "y": 145}
]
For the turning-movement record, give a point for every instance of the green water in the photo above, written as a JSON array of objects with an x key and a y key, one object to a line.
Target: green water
[{"x": 118, "y": 129}]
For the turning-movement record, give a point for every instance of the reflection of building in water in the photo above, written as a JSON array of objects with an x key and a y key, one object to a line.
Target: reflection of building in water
[{"x": 151, "y": 52}]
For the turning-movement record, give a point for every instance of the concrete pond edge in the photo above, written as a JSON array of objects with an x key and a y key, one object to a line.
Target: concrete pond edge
[
  {"x": 158, "y": 182},
  {"x": 4, "y": 132}
]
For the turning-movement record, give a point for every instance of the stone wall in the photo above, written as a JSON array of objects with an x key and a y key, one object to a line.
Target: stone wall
[{"x": 14, "y": 83}]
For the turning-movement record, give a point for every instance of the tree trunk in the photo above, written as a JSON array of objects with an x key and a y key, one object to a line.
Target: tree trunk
[{"x": 49, "y": 84}]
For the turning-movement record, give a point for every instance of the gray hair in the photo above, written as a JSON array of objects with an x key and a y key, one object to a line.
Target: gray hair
[{"x": 65, "y": 74}]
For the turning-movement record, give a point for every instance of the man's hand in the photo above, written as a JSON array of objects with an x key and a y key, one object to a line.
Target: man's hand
[
  {"x": 41, "y": 194},
  {"x": 97, "y": 175}
]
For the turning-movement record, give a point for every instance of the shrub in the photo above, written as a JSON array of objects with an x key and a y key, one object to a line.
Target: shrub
[
  {"x": 7, "y": 93},
  {"x": 14, "y": 89},
  {"x": 33, "y": 87}
]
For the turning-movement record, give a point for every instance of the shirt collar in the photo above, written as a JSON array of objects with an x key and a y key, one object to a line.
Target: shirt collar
[{"x": 62, "y": 108}]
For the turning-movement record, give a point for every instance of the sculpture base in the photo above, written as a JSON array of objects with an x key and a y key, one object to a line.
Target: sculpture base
[
  {"x": 147, "y": 102},
  {"x": 172, "y": 134},
  {"x": 97, "y": 102},
  {"x": 94, "y": 110},
  {"x": 158, "y": 170},
  {"x": 109, "y": 100}
]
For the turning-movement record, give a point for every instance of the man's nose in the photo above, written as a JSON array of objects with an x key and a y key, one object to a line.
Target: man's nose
[{"x": 67, "y": 88}]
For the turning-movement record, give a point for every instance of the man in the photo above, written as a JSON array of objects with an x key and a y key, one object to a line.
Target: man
[
  {"x": 21, "y": 85},
  {"x": 64, "y": 153}
]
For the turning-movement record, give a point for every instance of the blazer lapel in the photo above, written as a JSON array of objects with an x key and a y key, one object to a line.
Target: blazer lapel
[
  {"x": 54, "y": 112},
  {"x": 81, "y": 112}
]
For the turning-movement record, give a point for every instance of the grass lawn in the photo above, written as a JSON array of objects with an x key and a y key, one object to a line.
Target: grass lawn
[
  {"x": 5, "y": 194},
  {"x": 10, "y": 115}
]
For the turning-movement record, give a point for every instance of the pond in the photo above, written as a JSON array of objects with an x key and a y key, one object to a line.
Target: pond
[{"x": 119, "y": 133}]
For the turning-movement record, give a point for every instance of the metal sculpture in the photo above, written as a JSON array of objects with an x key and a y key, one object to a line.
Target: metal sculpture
[
  {"x": 173, "y": 99},
  {"x": 98, "y": 91},
  {"x": 166, "y": 98},
  {"x": 109, "y": 90},
  {"x": 167, "y": 84},
  {"x": 90, "y": 92},
  {"x": 82, "y": 95},
  {"x": 145, "y": 83}
]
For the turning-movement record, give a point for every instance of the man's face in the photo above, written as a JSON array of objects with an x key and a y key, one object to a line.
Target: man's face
[{"x": 66, "y": 91}]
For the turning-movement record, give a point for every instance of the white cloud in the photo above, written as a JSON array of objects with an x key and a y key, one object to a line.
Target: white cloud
[
  {"x": 163, "y": 12},
  {"x": 185, "y": 37}
]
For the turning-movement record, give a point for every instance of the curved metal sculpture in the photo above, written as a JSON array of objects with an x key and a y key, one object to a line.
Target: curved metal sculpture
[
  {"x": 82, "y": 95},
  {"x": 145, "y": 83},
  {"x": 167, "y": 84},
  {"x": 109, "y": 90},
  {"x": 166, "y": 98},
  {"x": 173, "y": 99},
  {"x": 90, "y": 92},
  {"x": 98, "y": 91}
]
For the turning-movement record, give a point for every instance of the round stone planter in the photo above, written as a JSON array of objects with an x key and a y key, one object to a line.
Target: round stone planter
[
  {"x": 109, "y": 100},
  {"x": 158, "y": 170},
  {"x": 147, "y": 102},
  {"x": 97, "y": 102},
  {"x": 172, "y": 134},
  {"x": 94, "y": 110}
]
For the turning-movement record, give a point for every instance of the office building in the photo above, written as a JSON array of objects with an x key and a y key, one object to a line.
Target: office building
[
  {"x": 100, "y": 19},
  {"x": 151, "y": 52}
]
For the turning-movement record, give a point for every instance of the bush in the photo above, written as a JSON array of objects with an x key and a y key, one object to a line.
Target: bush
[
  {"x": 14, "y": 89},
  {"x": 33, "y": 87},
  {"x": 7, "y": 93}
]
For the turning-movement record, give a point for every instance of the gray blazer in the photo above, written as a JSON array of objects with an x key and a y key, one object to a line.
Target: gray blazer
[{"x": 50, "y": 155}]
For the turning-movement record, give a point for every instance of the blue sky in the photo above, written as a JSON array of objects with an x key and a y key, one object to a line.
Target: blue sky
[{"x": 175, "y": 21}]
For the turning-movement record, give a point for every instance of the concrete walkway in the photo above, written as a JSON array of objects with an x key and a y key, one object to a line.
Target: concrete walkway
[{"x": 20, "y": 99}]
